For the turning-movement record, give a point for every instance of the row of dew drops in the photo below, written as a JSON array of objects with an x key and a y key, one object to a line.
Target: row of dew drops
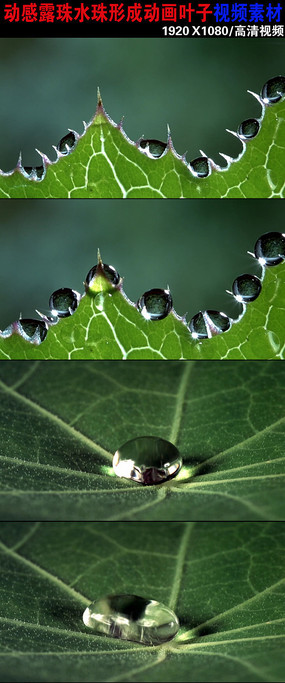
[
  {"x": 156, "y": 304},
  {"x": 201, "y": 167}
]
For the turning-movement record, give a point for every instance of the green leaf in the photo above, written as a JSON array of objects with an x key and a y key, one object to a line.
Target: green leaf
[
  {"x": 225, "y": 582},
  {"x": 108, "y": 326},
  {"x": 61, "y": 423},
  {"x": 105, "y": 163}
]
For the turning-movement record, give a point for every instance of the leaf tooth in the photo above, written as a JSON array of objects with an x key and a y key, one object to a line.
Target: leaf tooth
[
  {"x": 120, "y": 124},
  {"x": 228, "y": 159},
  {"x": 261, "y": 102},
  {"x": 99, "y": 98},
  {"x": 99, "y": 259},
  {"x": 45, "y": 158},
  {"x": 58, "y": 154}
]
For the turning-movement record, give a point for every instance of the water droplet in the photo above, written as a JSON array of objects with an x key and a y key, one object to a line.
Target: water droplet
[
  {"x": 155, "y": 304},
  {"x": 102, "y": 270},
  {"x": 273, "y": 90},
  {"x": 200, "y": 167},
  {"x": 148, "y": 460},
  {"x": 63, "y": 302},
  {"x": 131, "y": 617},
  {"x": 197, "y": 326},
  {"x": 34, "y": 331},
  {"x": 67, "y": 143},
  {"x": 34, "y": 172},
  {"x": 207, "y": 324},
  {"x": 248, "y": 129},
  {"x": 246, "y": 288},
  {"x": 270, "y": 249},
  {"x": 155, "y": 148}
]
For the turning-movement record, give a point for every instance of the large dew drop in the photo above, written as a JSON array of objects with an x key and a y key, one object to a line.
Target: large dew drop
[
  {"x": 207, "y": 324},
  {"x": 200, "y": 167},
  {"x": 155, "y": 304},
  {"x": 248, "y": 129},
  {"x": 63, "y": 302},
  {"x": 131, "y": 617},
  {"x": 270, "y": 249},
  {"x": 147, "y": 460},
  {"x": 246, "y": 288},
  {"x": 273, "y": 90}
]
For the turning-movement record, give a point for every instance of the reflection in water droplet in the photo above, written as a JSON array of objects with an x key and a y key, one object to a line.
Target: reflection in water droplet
[
  {"x": 155, "y": 304},
  {"x": 197, "y": 326},
  {"x": 148, "y": 460},
  {"x": 270, "y": 249},
  {"x": 248, "y": 129},
  {"x": 63, "y": 302},
  {"x": 131, "y": 617},
  {"x": 110, "y": 273},
  {"x": 273, "y": 90},
  {"x": 67, "y": 143},
  {"x": 217, "y": 321},
  {"x": 34, "y": 331},
  {"x": 246, "y": 288},
  {"x": 34, "y": 172},
  {"x": 207, "y": 324},
  {"x": 200, "y": 167},
  {"x": 155, "y": 148}
]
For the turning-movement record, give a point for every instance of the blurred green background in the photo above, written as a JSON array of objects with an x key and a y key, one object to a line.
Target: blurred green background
[
  {"x": 196, "y": 86},
  {"x": 196, "y": 247}
]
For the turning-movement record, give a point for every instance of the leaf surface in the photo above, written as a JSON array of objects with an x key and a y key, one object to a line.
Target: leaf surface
[
  {"x": 109, "y": 326},
  {"x": 105, "y": 163},
  {"x": 225, "y": 582},
  {"x": 61, "y": 423}
]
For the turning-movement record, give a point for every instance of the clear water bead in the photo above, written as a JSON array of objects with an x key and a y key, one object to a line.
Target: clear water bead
[
  {"x": 200, "y": 167},
  {"x": 155, "y": 304},
  {"x": 67, "y": 143},
  {"x": 248, "y": 129},
  {"x": 108, "y": 271},
  {"x": 155, "y": 148},
  {"x": 273, "y": 90},
  {"x": 246, "y": 288},
  {"x": 147, "y": 460},
  {"x": 270, "y": 249},
  {"x": 207, "y": 324},
  {"x": 63, "y": 302},
  {"x": 34, "y": 172},
  {"x": 131, "y": 617},
  {"x": 34, "y": 331}
]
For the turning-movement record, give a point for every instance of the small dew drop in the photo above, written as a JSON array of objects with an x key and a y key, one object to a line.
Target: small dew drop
[
  {"x": 270, "y": 249},
  {"x": 34, "y": 331},
  {"x": 200, "y": 167},
  {"x": 63, "y": 302},
  {"x": 273, "y": 90},
  {"x": 246, "y": 288},
  {"x": 155, "y": 148},
  {"x": 34, "y": 172},
  {"x": 155, "y": 304},
  {"x": 67, "y": 143},
  {"x": 131, "y": 617},
  {"x": 147, "y": 460},
  {"x": 248, "y": 129}
]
